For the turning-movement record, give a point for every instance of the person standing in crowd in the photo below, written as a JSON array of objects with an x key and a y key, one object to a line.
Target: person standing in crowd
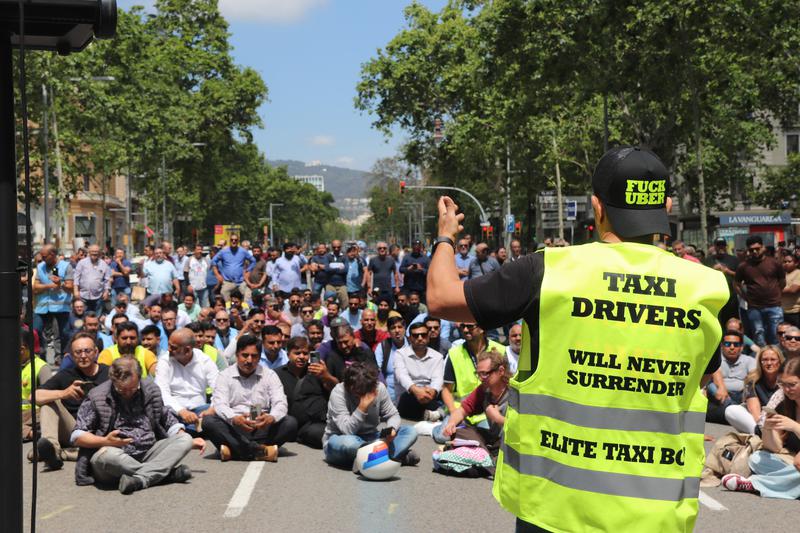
[
  {"x": 561, "y": 297},
  {"x": 355, "y": 409},
  {"x": 181, "y": 263},
  {"x": 790, "y": 295},
  {"x": 120, "y": 275},
  {"x": 761, "y": 280},
  {"x": 501, "y": 255},
  {"x": 33, "y": 369},
  {"x": 60, "y": 398},
  {"x": 250, "y": 420},
  {"x": 198, "y": 267},
  {"x": 414, "y": 269},
  {"x": 418, "y": 375},
  {"x": 229, "y": 267},
  {"x": 516, "y": 250},
  {"x": 162, "y": 278},
  {"x": 336, "y": 272},
  {"x": 52, "y": 289},
  {"x": 76, "y": 316},
  {"x": 727, "y": 264},
  {"x": 317, "y": 265},
  {"x": 482, "y": 263},
  {"x": 489, "y": 399},
  {"x": 382, "y": 273},
  {"x": 257, "y": 277},
  {"x": 92, "y": 281},
  {"x": 133, "y": 439},
  {"x": 683, "y": 251},
  {"x": 463, "y": 259},
  {"x": 287, "y": 274},
  {"x": 514, "y": 346},
  {"x": 368, "y": 333},
  {"x": 356, "y": 280}
]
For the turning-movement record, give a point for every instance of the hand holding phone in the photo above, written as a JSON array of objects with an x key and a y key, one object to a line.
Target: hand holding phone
[{"x": 770, "y": 411}]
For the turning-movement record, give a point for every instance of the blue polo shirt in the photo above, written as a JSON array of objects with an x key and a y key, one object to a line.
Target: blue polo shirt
[
  {"x": 231, "y": 264},
  {"x": 160, "y": 276}
]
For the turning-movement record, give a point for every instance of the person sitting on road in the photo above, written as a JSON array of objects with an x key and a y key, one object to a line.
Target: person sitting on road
[
  {"x": 184, "y": 377},
  {"x": 460, "y": 378},
  {"x": 151, "y": 340},
  {"x": 127, "y": 345},
  {"x": 776, "y": 467},
  {"x": 418, "y": 374},
  {"x": 751, "y": 348},
  {"x": 438, "y": 334},
  {"x": 490, "y": 398},
  {"x": 225, "y": 333},
  {"x": 60, "y": 398},
  {"x": 300, "y": 329},
  {"x": 514, "y": 346},
  {"x": 133, "y": 439},
  {"x": 305, "y": 392},
  {"x": 209, "y": 332},
  {"x": 759, "y": 386},
  {"x": 728, "y": 381},
  {"x": 343, "y": 351},
  {"x": 273, "y": 356},
  {"x": 250, "y": 420},
  {"x": 33, "y": 368},
  {"x": 356, "y": 409},
  {"x": 386, "y": 353}
]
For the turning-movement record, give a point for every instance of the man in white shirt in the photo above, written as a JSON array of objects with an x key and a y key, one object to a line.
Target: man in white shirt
[
  {"x": 514, "y": 346},
  {"x": 184, "y": 377},
  {"x": 418, "y": 375}
]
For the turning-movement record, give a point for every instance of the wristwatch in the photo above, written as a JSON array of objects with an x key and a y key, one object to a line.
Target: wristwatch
[{"x": 440, "y": 240}]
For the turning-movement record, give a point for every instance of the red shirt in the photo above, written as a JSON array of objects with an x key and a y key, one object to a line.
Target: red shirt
[{"x": 380, "y": 336}]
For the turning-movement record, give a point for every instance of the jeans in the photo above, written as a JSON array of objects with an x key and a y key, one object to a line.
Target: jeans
[
  {"x": 110, "y": 463},
  {"x": 201, "y": 295},
  {"x": 62, "y": 319},
  {"x": 191, "y": 429},
  {"x": 764, "y": 322},
  {"x": 94, "y": 305},
  {"x": 773, "y": 478},
  {"x": 341, "y": 450},
  {"x": 243, "y": 445}
]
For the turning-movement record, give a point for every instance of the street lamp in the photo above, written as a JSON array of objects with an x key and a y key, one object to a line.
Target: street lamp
[{"x": 271, "y": 240}]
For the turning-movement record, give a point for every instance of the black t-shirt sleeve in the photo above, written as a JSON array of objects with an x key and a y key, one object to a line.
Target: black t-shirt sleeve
[
  {"x": 505, "y": 295},
  {"x": 449, "y": 372},
  {"x": 60, "y": 381},
  {"x": 713, "y": 363}
]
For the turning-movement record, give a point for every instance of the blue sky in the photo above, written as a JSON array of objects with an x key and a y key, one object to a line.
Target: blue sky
[{"x": 310, "y": 52}]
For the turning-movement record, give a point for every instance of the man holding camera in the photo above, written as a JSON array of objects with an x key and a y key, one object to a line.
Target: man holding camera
[
  {"x": 62, "y": 395},
  {"x": 250, "y": 421}
]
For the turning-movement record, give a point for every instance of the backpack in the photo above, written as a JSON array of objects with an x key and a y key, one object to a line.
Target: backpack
[{"x": 729, "y": 455}]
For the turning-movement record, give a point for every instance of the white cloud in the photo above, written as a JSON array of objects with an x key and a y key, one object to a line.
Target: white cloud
[
  {"x": 323, "y": 140},
  {"x": 345, "y": 160},
  {"x": 275, "y": 11}
]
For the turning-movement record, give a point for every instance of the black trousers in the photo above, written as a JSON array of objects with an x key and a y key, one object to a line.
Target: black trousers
[
  {"x": 409, "y": 407},
  {"x": 245, "y": 445},
  {"x": 527, "y": 527},
  {"x": 311, "y": 433}
]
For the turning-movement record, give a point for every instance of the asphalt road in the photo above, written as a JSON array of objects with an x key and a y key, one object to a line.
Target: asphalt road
[{"x": 301, "y": 493}]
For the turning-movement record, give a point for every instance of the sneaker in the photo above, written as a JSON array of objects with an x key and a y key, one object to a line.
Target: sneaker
[
  {"x": 410, "y": 459},
  {"x": 179, "y": 474},
  {"x": 48, "y": 454},
  {"x": 130, "y": 484},
  {"x": 433, "y": 416},
  {"x": 737, "y": 483},
  {"x": 224, "y": 453}
]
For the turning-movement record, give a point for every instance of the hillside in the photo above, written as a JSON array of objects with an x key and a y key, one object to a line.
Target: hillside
[{"x": 340, "y": 182}]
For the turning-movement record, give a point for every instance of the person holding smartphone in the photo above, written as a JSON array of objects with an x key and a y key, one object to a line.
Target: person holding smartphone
[{"x": 61, "y": 396}]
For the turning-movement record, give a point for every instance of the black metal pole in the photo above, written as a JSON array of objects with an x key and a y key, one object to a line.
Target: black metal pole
[{"x": 10, "y": 411}]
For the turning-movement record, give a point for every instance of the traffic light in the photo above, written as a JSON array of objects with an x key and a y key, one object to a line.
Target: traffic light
[
  {"x": 402, "y": 187},
  {"x": 517, "y": 229},
  {"x": 490, "y": 232},
  {"x": 390, "y": 210}
]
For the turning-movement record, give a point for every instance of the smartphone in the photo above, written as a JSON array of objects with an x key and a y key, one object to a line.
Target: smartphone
[
  {"x": 385, "y": 433},
  {"x": 769, "y": 411},
  {"x": 86, "y": 386},
  {"x": 122, "y": 436},
  {"x": 314, "y": 357}
]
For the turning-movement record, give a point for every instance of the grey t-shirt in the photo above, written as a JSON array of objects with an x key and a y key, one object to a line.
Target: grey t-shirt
[
  {"x": 345, "y": 418},
  {"x": 733, "y": 373}
]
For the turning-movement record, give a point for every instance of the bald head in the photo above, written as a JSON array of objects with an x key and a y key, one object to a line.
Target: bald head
[{"x": 182, "y": 337}]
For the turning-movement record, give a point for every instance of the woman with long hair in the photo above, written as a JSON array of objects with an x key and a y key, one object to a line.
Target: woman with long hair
[
  {"x": 759, "y": 386},
  {"x": 776, "y": 468}
]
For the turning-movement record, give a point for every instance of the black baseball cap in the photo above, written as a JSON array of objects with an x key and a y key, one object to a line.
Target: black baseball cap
[
  {"x": 720, "y": 242},
  {"x": 633, "y": 185}
]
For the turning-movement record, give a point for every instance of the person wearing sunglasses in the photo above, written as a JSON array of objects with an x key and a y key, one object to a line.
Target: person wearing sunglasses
[
  {"x": 776, "y": 467},
  {"x": 225, "y": 333},
  {"x": 418, "y": 375},
  {"x": 790, "y": 342},
  {"x": 760, "y": 280},
  {"x": 728, "y": 381}
]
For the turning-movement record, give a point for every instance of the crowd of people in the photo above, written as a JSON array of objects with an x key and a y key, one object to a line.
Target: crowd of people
[{"x": 250, "y": 349}]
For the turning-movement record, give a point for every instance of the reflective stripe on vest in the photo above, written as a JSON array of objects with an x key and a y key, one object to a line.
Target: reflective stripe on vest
[
  {"x": 138, "y": 354},
  {"x": 466, "y": 376},
  {"x": 26, "y": 380},
  {"x": 608, "y": 430}
]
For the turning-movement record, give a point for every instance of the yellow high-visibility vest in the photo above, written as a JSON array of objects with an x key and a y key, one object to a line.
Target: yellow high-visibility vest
[
  {"x": 466, "y": 375},
  {"x": 606, "y": 432},
  {"x": 27, "y": 380}
]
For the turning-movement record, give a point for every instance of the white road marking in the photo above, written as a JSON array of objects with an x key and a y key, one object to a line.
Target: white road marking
[
  {"x": 392, "y": 508},
  {"x": 57, "y": 512},
  {"x": 241, "y": 496},
  {"x": 711, "y": 503}
]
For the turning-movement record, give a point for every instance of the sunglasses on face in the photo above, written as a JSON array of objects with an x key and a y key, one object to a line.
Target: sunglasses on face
[
  {"x": 419, "y": 335},
  {"x": 307, "y": 312},
  {"x": 792, "y": 337},
  {"x": 223, "y": 319},
  {"x": 728, "y": 344}
]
